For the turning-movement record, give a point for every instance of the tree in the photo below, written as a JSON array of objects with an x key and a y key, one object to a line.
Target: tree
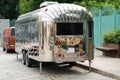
[
  {"x": 8, "y": 8},
  {"x": 99, "y": 3},
  {"x": 12, "y": 8},
  {"x": 30, "y": 5}
]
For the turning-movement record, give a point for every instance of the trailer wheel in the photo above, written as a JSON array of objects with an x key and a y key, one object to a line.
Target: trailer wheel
[
  {"x": 28, "y": 61},
  {"x": 72, "y": 64}
]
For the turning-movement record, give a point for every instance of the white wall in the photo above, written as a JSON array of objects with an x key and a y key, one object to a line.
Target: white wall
[{"x": 4, "y": 23}]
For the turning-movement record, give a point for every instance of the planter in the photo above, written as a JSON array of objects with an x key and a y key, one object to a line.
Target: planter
[{"x": 114, "y": 50}]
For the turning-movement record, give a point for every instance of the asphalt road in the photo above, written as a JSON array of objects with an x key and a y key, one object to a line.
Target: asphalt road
[{"x": 13, "y": 69}]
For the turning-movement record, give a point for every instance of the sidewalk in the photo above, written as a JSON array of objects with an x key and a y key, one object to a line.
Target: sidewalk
[{"x": 105, "y": 65}]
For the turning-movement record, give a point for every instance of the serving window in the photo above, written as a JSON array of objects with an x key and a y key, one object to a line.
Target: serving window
[{"x": 69, "y": 29}]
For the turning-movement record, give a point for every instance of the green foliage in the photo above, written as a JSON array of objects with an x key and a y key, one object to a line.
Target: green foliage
[
  {"x": 112, "y": 37},
  {"x": 8, "y": 8},
  {"x": 107, "y": 9},
  {"x": 108, "y": 37},
  {"x": 95, "y": 11},
  {"x": 107, "y": 6},
  {"x": 28, "y": 5},
  {"x": 99, "y": 3},
  {"x": 12, "y": 8},
  {"x": 118, "y": 11},
  {"x": 80, "y": 3}
]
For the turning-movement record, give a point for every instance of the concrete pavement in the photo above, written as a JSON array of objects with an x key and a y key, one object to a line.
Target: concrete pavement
[{"x": 108, "y": 66}]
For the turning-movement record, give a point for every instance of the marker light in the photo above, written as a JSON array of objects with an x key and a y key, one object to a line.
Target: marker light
[
  {"x": 59, "y": 50},
  {"x": 81, "y": 54},
  {"x": 59, "y": 42},
  {"x": 59, "y": 55},
  {"x": 81, "y": 42},
  {"x": 81, "y": 50}
]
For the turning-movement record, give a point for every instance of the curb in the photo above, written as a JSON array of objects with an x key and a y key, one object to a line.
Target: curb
[{"x": 98, "y": 71}]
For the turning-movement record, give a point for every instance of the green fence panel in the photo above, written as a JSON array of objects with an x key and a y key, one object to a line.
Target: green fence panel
[
  {"x": 12, "y": 22},
  {"x": 118, "y": 21},
  {"x": 103, "y": 24},
  {"x": 107, "y": 24},
  {"x": 97, "y": 31}
]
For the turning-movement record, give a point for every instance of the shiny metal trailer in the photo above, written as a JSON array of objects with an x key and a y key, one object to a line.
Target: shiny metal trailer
[{"x": 59, "y": 32}]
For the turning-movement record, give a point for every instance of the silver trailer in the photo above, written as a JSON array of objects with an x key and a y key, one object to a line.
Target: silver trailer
[{"x": 57, "y": 32}]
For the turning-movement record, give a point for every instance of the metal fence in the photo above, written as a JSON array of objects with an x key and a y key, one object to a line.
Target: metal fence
[{"x": 106, "y": 19}]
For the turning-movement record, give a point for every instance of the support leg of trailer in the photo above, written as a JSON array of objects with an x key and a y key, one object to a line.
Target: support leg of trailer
[
  {"x": 89, "y": 65},
  {"x": 17, "y": 56},
  {"x": 40, "y": 67}
]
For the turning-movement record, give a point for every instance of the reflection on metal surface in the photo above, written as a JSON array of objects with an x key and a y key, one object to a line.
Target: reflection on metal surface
[{"x": 59, "y": 31}]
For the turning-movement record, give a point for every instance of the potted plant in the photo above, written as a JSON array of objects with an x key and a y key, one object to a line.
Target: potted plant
[
  {"x": 112, "y": 37},
  {"x": 112, "y": 43}
]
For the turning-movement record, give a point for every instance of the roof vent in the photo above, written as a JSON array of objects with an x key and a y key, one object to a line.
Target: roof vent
[{"x": 46, "y": 3}]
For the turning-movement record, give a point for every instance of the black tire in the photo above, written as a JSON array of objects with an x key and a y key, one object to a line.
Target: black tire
[
  {"x": 3, "y": 49},
  {"x": 28, "y": 61},
  {"x": 72, "y": 64}
]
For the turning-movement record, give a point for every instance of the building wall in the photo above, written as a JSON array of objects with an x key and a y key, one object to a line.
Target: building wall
[{"x": 4, "y": 23}]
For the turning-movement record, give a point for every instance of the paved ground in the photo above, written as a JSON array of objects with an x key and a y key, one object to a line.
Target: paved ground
[
  {"x": 105, "y": 65},
  {"x": 12, "y": 69}
]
